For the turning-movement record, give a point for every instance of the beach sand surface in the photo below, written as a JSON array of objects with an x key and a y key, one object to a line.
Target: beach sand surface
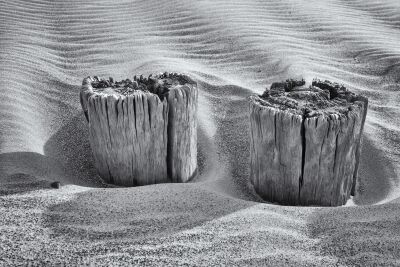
[{"x": 233, "y": 49}]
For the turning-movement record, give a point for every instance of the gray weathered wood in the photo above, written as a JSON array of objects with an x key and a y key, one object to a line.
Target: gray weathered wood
[
  {"x": 275, "y": 149},
  {"x": 305, "y": 143},
  {"x": 182, "y": 133},
  {"x": 364, "y": 102},
  {"x": 142, "y": 137}
]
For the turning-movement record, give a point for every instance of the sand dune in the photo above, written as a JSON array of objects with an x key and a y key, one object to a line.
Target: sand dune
[{"x": 233, "y": 49}]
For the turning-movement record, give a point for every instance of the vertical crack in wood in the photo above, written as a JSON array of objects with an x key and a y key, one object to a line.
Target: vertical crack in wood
[
  {"x": 170, "y": 141},
  {"x": 149, "y": 111},
  {"x": 108, "y": 122},
  {"x": 335, "y": 162},
  {"x": 276, "y": 136},
  {"x": 303, "y": 152},
  {"x": 110, "y": 175}
]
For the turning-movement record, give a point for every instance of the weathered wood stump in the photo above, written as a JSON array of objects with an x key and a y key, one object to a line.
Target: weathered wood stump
[
  {"x": 305, "y": 142},
  {"x": 142, "y": 131}
]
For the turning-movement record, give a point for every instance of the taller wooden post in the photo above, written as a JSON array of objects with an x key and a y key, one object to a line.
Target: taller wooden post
[{"x": 142, "y": 131}]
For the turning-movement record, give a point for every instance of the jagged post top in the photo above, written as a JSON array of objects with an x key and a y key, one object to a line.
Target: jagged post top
[
  {"x": 305, "y": 142},
  {"x": 159, "y": 84},
  {"x": 321, "y": 98}
]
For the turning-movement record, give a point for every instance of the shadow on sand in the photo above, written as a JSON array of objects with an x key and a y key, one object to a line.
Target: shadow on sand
[{"x": 67, "y": 158}]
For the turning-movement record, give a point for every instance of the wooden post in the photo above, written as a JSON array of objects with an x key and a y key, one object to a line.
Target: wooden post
[
  {"x": 305, "y": 142},
  {"x": 133, "y": 126}
]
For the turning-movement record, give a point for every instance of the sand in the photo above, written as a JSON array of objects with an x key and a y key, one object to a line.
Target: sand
[{"x": 233, "y": 49}]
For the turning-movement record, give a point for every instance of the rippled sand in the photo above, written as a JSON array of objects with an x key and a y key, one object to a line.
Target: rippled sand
[{"x": 233, "y": 48}]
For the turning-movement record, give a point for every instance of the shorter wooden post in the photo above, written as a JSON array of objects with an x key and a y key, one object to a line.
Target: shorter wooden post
[{"x": 305, "y": 142}]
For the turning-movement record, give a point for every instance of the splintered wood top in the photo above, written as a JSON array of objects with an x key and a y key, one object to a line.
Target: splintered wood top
[
  {"x": 159, "y": 84},
  {"x": 321, "y": 98}
]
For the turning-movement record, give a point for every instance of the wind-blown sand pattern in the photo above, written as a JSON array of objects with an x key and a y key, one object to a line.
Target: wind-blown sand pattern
[{"x": 233, "y": 49}]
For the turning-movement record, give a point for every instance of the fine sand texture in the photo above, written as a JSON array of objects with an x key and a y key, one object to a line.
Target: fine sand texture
[{"x": 232, "y": 49}]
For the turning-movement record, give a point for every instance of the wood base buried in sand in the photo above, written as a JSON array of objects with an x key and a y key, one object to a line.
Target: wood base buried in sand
[
  {"x": 305, "y": 143},
  {"x": 142, "y": 131}
]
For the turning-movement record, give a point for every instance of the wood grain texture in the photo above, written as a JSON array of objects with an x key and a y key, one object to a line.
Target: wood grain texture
[
  {"x": 139, "y": 139},
  {"x": 363, "y": 101},
  {"x": 182, "y": 133},
  {"x": 275, "y": 149},
  {"x": 86, "y": 91},
  {"x": 301, "y": 156},
  {"x": 128, "y": 136}
]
